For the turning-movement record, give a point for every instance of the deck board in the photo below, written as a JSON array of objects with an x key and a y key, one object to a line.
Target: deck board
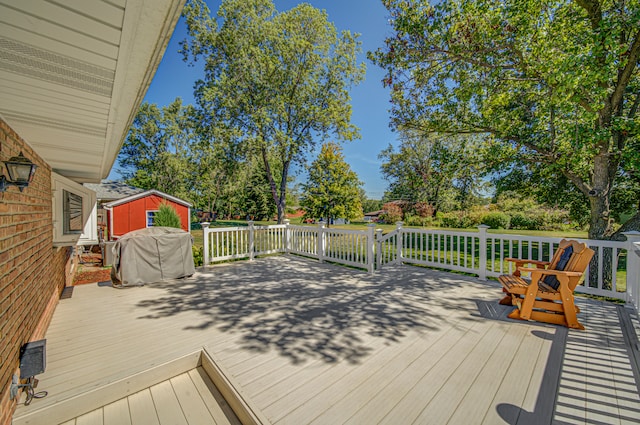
[
  {"x": 401, "y": 370},
  {"x": 142, "y": 409},
  {"x": 167, "y": 404},
  {"x": 92, "y": 418},
  {"x": 193, "y": 406},
  {"x": 117, "y": 413},
  {"x": 308, "y": 342},
  {"x": 429, "y": 387},
  {"x": 522, "y": 364},
  {"x": 217, "y": 406},
  {"x": 479, "y": 393}
]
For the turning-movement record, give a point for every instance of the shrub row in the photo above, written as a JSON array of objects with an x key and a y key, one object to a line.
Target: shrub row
[{"x": 540, "y": 219}]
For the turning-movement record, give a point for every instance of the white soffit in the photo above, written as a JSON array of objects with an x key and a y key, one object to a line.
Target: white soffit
[{"x": 74, "y": 72}]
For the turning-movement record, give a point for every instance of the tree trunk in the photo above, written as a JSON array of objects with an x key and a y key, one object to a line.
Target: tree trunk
[
  {"x": 281, "y": 205},
  {"x": 282, "y": 201},
  {"x": 599, "y": 223},
  {"x": 278, "y": 200},
  {"x": 599, "y": 194}
]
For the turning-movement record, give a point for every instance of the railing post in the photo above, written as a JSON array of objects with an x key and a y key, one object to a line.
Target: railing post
[
  {"x": 287, "y": 238},
  {"x": 205, "y": 243},
  {"x": 379, "y": 248},
  {"x": 633, "y": 267},
  {"x": 399, "y": 240},
  {"x": 371, "y": 240},
  {"x": 251, "y": 240},
  {"x": 321, "y": 241},
  {"x": 482, "y": 234}
]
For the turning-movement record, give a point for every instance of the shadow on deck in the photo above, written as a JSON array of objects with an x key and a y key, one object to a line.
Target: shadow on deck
[
  {"x": 317, "y": 343},
  {"x": 304, "y": 312}
]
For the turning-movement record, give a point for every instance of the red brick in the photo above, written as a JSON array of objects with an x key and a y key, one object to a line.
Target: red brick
[{"x": 32, "y": 273}]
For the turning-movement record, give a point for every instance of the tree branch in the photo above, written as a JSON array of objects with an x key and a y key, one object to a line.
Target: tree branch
[
  {"x": 634, "y": 108},
  {"x": 578, "y": 181},
  {"x": 625, "y": 76},
  {"x": 594, "y": 12}
]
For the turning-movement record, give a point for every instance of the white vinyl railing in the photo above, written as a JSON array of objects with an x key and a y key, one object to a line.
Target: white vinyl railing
[
  {"x": 348, "y": 247},
  {"x": 614, "y": 271}
]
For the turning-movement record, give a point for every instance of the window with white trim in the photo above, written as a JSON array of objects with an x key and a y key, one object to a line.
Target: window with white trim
[
  {"x": 151, "y": 215},
  {"x": 71, "y": 213},
  {"x": 74, "y": 213}
]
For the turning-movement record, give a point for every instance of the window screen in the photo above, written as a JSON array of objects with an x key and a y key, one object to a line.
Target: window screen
[
  {"x": 72, "y": 212},
  {"x": 150, "y": 217}
]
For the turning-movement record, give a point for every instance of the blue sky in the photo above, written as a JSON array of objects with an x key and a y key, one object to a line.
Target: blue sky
[{"x": 370, "y": 101}]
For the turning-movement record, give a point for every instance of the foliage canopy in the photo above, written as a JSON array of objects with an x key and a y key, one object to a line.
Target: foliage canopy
[
  {"x": 442, "y": 171},
  {"x": 333, "y": 189},
  {"x": 274, "y": 82},
  {"x": 155, "y": 154},
  {"x": 554, "y": 84}
]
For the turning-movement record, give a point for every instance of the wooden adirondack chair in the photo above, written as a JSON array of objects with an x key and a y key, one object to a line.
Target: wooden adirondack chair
[
  {"x": 514, "y": 280},
  {"x": 548, "y": 297}
]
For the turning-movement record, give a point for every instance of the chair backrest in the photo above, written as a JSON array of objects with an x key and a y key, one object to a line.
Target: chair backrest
[
  {"x": 579, "y": 256},
  {"x": 556, "y": 255}
]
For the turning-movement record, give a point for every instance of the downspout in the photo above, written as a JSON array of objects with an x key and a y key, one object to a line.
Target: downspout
[{"x": 110, "y": 229}]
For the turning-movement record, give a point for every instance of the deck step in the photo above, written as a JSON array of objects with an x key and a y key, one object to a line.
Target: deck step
[{"x": 146, "y": 393}]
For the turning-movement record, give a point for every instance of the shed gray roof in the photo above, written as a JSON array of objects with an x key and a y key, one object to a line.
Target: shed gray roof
[
  {"x": 146, "y": 193},
  {"x": 111, "y": 190}
]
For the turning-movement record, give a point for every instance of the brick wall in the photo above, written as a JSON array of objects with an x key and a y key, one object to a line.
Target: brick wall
[{"x": 32, "y": 271}]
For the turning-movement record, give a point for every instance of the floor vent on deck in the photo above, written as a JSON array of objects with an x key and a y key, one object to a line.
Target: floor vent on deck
[{"x": 66, "y": 292}]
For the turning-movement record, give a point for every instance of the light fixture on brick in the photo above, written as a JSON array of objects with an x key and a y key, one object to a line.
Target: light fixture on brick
[{"x": 20, "y": 170}]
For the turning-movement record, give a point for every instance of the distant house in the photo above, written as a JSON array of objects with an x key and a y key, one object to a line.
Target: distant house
[
  {"x": 298, "y": 214},
  {"x": 138, "y": 210},
  {"x": 373, "y": 216},
  {"x": 109, "y": 191}
]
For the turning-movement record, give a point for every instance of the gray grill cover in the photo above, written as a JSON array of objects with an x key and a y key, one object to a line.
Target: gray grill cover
[{"x": 152, "y": 255}]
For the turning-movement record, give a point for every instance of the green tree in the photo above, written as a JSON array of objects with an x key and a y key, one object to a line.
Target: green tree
[
  {"x": 371, "y": 205},
  {"x": 166, "y": 216},
  {"x": 437, "y": 170},
  {"x": 333, "y": 189},
  {"x": 555, "y": 84},
  {"x": 155, "y": 154},
  {"x": 257, "y": 200},
  {"x": 274, "y": 82}
]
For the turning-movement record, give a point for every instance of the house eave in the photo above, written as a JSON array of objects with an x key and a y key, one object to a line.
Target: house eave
[{"x": 73, "y": 77}]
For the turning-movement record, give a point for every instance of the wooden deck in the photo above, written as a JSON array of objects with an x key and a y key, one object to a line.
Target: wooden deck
[
  {"x": 305, "y": 342},
  {"x": 187, "y": 398}
]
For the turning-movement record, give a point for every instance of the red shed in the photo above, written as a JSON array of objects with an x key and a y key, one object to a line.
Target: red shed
[{"x": 137, "y": 211}]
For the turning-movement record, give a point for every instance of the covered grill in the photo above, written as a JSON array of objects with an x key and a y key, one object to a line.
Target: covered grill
[{"x": 151, "y": 255}]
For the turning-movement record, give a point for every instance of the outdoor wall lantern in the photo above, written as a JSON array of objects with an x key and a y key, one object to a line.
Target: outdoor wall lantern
[
  {"x": 20, "y": 171},
  {"x": 32, "y": 362}
]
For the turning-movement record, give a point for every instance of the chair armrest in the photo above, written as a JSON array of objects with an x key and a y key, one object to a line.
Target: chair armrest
[
  {"x": 523, "y": 261},
  {"x": 549, "y": 271}
]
